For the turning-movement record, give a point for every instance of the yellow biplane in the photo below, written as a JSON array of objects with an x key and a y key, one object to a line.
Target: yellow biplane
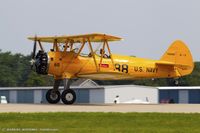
[{"x": 65, "y": 61}]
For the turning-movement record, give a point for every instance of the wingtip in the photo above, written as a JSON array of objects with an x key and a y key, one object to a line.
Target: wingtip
[{"x": 30, "y": 38}]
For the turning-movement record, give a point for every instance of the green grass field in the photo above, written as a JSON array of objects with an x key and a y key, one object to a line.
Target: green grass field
[{"x": 100, "y": 122}]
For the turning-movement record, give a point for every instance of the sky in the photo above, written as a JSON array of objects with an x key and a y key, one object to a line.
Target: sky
[{"x": 148, "y": 27}]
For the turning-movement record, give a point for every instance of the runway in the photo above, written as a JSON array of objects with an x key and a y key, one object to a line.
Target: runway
[{"x": 164, "y": 108}]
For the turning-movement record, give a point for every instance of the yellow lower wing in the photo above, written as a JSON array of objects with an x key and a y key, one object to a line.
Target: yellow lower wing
[{"x": 105, "y": 75}]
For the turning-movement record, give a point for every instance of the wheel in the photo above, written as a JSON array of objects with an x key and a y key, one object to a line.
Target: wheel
[
  {"x": 53, "y": 96},
  {"x": 173, "y": 82},
  {"x": 68, "y": 96},
  {"x": 176, "y": 82}
]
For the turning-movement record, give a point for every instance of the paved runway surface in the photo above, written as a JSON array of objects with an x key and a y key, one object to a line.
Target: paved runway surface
[{"x": 178, "y": 108}]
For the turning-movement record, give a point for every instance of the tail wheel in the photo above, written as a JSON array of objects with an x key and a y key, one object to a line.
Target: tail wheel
[
  {"x": 53, "y": 96},
  {"x": 173, "y": 82},
  {"x": 68, "y": 96},
  {"x": 176, "y": 82}
]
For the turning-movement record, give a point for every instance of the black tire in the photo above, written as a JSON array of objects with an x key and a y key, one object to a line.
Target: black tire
[
  {"x": 68, "y": 96},
  {"x": 53, "y": 98}
]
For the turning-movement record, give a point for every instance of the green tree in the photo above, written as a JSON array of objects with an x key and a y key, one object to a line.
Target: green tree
[{"x": 15, "y": 71}]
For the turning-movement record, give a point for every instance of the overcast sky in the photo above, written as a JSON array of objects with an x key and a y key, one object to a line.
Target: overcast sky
[{"x": 147, "y": 26}]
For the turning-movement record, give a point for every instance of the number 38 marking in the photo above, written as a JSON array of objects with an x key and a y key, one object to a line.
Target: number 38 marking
[{"x": 122, "y": 68}]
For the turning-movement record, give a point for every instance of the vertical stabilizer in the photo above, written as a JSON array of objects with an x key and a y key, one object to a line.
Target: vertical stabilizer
[{"x": 179, "y": 54}]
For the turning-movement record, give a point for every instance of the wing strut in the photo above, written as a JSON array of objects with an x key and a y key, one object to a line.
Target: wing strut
[
  {"x": 102, "y": 54},
  {"x": 83, "y": 44},
  {"x": 55, "y": 45},
  {"x": 93, "y": 55},
  {"x": 71, "y": 45},
  {"x": 106, "y": 42}
]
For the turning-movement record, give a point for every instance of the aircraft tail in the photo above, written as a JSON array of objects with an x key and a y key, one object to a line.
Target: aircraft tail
[{"x": 178, "y": 55}]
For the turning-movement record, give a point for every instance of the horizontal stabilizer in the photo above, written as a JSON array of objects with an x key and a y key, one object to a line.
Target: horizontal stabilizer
[{"x": 166, "y": 63}]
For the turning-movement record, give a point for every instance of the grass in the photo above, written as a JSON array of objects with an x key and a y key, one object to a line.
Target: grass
[{"x": 100, "y": 122}]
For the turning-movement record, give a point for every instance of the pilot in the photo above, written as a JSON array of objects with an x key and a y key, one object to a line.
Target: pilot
[
  {"x": 90, "y": 54},
  {"x": 102, "y": 52}
]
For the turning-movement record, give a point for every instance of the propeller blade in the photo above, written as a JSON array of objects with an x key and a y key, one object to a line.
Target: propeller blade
[
  {"x": 33, "y": 52},
  {"x": 34, "y": 48}
]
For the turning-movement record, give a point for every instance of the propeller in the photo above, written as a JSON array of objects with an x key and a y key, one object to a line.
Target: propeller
[{"x": 33, "y": 53}]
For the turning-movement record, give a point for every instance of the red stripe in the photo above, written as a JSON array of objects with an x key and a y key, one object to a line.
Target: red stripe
[{"x": 104, "y": 65}]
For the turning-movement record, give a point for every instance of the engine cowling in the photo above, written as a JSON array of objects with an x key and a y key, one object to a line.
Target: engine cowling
[{"x": 41, "y": 62}]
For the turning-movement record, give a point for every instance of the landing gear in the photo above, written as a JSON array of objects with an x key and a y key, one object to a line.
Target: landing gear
[
  {"x": 53, "y": 96},
  {"x": 176, "y": 82},
  {"x": 173, "y": 82},
  {"x": 68, "y": 96}
]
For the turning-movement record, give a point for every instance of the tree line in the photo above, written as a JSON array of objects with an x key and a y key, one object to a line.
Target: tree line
[{"x": 15, "y": 71}]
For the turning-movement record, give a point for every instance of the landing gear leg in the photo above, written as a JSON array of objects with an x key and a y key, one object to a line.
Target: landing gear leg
[
  {"x": 68, "y": 95},
  {"x": 53, "y": 95},
  {"x": 173, "y": 82}
]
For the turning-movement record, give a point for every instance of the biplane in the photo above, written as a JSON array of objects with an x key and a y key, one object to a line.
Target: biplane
[{"x": 66, "y": 61}]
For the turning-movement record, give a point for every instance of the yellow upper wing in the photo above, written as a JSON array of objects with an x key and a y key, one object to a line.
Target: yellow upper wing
[{"x": 95, "y": 37}]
